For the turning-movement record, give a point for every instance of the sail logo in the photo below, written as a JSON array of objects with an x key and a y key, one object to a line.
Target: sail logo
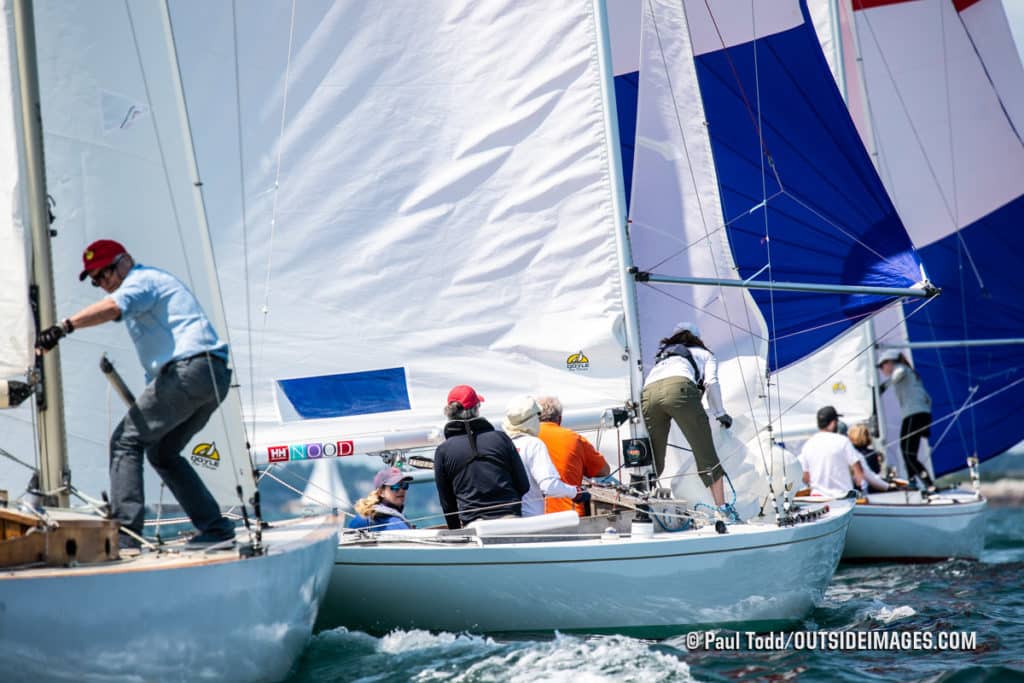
[
  {"x": 839, "y": 387},
  {"x": 306, "y": 451},
  {"x": 577, "y": 362},
  {"x": 206, "y": 455}
]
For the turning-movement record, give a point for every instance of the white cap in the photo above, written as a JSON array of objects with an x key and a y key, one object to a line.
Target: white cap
[
  {"x": 687, "y": 326},
  {"x": 888, "y": 354},
  {"x": 522, "y": 416}
]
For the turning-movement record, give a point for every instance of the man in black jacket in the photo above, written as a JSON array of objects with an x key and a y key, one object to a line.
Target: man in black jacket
[{"x": 478, "y": 472}]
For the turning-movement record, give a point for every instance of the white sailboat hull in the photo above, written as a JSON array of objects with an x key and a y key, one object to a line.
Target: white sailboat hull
[
  {"x": 757, "y": 574},
  {"x": 185, "y": 616},
  {"x": 901, "y": 526}
]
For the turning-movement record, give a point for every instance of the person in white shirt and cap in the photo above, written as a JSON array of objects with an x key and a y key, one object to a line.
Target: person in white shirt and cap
[
  {"x": 522, "y": 424},
  {"x": 829, "y": 458},
  {"x": 684, "y": 371},
  {"x": 915, "y": 410}
]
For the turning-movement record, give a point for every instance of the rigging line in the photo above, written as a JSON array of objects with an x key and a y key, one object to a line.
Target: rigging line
[
  {"x": 944, "y": 373},
  {"x": 956, "y": 414},
  {"x": 276, "y": 190},
  {"x": 920, "y": 144},
  {"x": 693, "y": 181},
  {"x": 853, "y": 238},
  {"x": 967, "y": 406},
  {"x": 216, "y": 293},
  {"x": 857, "y": 355},
  {"x": 833, "y": 323},
  {"x": 988, "y": 75},
  {"x": 667, "y": 292},
  {"x": 179, "y": 90},
  {"x": 772, "y": 348},
  {"x": 758, "y": 374},
  {"x": 736, "y": 76},
  {"x": 715, "y": 231},
  {"x": 245, "y": 220}
]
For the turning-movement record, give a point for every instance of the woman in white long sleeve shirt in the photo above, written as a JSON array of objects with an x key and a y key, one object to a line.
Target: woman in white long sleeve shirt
[
  {"x": 684, "y": 371},
  {"x": 522, "y": 423}
]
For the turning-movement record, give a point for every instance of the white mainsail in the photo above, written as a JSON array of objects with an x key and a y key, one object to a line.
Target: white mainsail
[{"x": 485, "y": 257}]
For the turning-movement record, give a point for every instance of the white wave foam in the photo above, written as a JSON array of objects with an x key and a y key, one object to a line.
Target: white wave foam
[
  {"x": 591, "y": 659},
  {"x": 398, "y": 641},
  {"x": 887, "y": 615}
]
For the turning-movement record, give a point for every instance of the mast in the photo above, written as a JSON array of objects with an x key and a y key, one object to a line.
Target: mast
[
  {"x": 54, "y": 475},
  {"x": 628, "y": 288}
]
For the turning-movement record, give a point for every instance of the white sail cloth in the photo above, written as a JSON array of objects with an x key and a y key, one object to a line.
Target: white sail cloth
[{"x": 373, "y": 273}]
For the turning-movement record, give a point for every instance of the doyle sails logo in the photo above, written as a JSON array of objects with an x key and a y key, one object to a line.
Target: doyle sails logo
[
  {"x": 310, "y": 451},
  {"x": 577, "y": 362},
  {"x": 206, "y": 455}
]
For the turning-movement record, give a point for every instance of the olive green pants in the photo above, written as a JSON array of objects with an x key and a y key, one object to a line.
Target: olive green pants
[{"x": 678, "y": 398}]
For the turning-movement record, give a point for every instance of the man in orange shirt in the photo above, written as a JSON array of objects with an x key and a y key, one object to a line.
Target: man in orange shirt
[{"x": 572, "y": 455}]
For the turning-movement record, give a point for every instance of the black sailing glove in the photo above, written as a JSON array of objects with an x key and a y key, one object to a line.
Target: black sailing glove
[
  {"x": 49, "y": 337},
  {"x": 725, "y": 420}
]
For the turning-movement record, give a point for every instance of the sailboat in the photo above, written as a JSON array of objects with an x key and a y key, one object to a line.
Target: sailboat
[
  {"x": 944, "y": 129},
  {"x": 117, "y": 162},
  {"x": 432, "y": 196}
]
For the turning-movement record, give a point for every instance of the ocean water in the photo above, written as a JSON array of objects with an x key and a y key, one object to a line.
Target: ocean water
[{"x": 983, "y": 598}]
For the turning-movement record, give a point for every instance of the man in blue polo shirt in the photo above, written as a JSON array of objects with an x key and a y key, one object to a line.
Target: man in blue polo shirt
[{"x": 187, "y": 374}]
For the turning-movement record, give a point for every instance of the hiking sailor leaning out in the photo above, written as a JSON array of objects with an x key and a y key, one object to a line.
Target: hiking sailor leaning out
[
  {"x": 477, "y": 470},
  {"x": 522, "y": 423},
  {"x": 684, "y": 370},
  {"x": 187, "y": 378},
  {"x": 383, "y": 509},
  {"x": 828, "y": 458}
]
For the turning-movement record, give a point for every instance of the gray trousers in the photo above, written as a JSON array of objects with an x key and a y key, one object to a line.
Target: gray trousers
[
  {"x": 678, "y": 398},
  {"x": 168, "y": 413}
]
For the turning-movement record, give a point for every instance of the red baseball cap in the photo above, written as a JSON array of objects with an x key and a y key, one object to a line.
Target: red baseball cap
[
  {"x": 100, "y": 254},
  {"x": 466, "y": 395},
  {"x": 389, "y": 476}
]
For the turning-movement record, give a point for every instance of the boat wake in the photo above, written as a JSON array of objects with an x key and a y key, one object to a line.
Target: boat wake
[{"x": 425, "y": 656}]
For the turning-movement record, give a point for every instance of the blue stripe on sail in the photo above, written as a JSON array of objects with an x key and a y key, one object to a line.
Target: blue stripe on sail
[
  {"x": 627, "y": 88},
  {"x": 965, "y": 310},
  {"x": 352, "y": 393},
  {"x": 831, "y": 221}
]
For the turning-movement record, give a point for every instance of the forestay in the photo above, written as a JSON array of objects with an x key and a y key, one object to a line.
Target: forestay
[
  {"x": 945, "y": 106},
  {"x": 118, "y": 163},
  {"x": 430, "y": 199}
]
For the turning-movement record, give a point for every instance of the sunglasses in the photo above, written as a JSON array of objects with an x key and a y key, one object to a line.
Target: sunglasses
[
  {"x": 400, "y": 486},
  {"x": 103, "y": 272}
]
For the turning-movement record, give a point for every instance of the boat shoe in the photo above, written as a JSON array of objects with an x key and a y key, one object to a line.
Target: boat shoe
[{"x": 208, "y": 540}]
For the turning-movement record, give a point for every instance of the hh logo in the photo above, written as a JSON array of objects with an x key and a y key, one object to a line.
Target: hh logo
[
  {"x": 577, "y": 362},
  {"x": 206, "y": 455},
  {"x": 277, "y": 454}
]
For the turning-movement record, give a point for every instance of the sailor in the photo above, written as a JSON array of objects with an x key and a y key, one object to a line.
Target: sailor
[
  {"x": 477, "y": 470},
  {"x": 828, "y": 458},
  {"x": 187, "y": 373},
  {"x": 870, "y": 464},
  {"x": 383, "y": 509},
  {"x": 915, "y": 410},
  {"x": 571, "y": 454},
  {"x": 522, "y": 423},
  {"x": 684, "y": 370}
]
